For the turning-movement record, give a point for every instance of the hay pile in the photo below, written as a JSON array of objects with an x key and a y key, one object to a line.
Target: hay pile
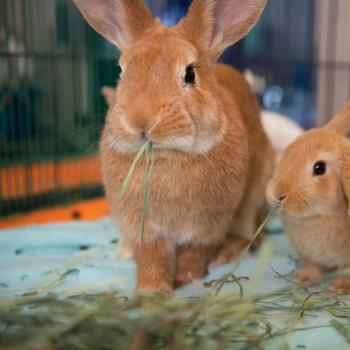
[{"x": 211, "y": 321}]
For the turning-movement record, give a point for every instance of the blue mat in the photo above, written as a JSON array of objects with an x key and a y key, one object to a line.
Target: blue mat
[{"x": 68, "y": 258}]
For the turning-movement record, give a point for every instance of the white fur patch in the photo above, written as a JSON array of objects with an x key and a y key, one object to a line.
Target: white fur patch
[
  {"x": 203, "y": 145},
  {"x": 182, "y": 143},
  {"x": 119, "y": 147},
  {"x": 180, "y": 237}
]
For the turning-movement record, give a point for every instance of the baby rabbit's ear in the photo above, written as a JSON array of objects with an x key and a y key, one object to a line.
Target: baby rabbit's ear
[
  {"x": 346, "y": 177},
  {"x": 216, "y": 24},
  {"x": 341, "y": 122},
  {"x": 119, "y": 21}
]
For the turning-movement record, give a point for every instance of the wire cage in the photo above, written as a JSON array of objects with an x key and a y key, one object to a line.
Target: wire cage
[{"x": 53, "y": 66}]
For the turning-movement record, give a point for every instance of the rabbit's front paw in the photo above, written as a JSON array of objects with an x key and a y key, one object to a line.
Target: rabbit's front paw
[{"x": 308, "y": 274}]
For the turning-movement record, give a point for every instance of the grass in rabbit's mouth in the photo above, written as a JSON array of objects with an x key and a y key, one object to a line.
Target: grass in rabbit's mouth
[
  {"x": 147, "y": 151},
  {"x": 208, "y": 321}
]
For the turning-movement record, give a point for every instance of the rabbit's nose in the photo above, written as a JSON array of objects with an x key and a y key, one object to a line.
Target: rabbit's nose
[{"x": 282, "y": 198}]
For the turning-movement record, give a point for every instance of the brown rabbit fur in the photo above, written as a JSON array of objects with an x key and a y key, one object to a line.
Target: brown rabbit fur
[
  {"x": 212, "y": 158},
  {"x": 312, "y": 184}
]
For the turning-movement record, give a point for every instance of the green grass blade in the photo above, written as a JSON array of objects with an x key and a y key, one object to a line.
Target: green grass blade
[
  {"x": 138, "y": 156},
  {"x": 146, "y": 200}
]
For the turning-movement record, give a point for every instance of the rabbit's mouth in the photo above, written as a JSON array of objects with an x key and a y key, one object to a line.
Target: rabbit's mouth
[
  {"x": 115, "y": 144},
  {"x": 298, "y": 209},
  {"x": 188, "y": 144},
  {"x": 291, "y": 205},
  {"x": 184, "y": 144}
]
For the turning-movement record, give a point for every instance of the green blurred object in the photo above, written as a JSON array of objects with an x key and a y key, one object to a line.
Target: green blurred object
[{"x": 52, "y": 69}]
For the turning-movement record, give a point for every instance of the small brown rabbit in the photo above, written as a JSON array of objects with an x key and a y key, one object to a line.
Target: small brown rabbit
[
  {"x": 312, "y": 184},
  {"x": 212, "y": 157}
]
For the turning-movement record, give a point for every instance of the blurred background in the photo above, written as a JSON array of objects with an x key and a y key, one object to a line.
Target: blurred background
[{"x": 52, "y": 68}]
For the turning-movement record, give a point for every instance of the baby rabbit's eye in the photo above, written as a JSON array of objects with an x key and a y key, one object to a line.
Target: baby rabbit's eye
[
  {"x": 190, "y": 77},
  {"x": 320, "y": 168}
]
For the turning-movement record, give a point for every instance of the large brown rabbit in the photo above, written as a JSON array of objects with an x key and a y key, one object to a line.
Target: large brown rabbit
[{"x": 212, "y": 158}]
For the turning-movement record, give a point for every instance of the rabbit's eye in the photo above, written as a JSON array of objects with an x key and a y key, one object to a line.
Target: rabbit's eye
[
  {"x": 190, "y": 77},
  {"x": 320, "y": 168}
]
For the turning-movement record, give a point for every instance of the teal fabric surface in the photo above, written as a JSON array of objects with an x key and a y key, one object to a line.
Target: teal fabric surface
[{"x": 69, "y": 258}]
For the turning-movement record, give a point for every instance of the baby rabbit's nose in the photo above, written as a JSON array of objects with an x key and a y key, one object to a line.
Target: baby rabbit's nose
[{"x": 282, "y": 198}]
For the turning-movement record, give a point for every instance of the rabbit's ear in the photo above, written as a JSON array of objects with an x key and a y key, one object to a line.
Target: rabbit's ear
[
  {"x": 119, "y": 21},
  {"x": 346, "y": 176},
  {"x": 216, "y": 24},
  {"x": 108, "y": 94},
  {"x": 341, "y": 122}
]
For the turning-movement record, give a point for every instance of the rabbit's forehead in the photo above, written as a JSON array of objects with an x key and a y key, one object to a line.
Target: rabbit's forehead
[
  {"x": 310, "y": 149},
  {"x": 162, "y": 50}
]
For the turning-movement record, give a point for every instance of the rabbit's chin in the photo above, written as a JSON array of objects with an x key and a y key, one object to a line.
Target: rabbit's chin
[{"x": 187, "y": 144}]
